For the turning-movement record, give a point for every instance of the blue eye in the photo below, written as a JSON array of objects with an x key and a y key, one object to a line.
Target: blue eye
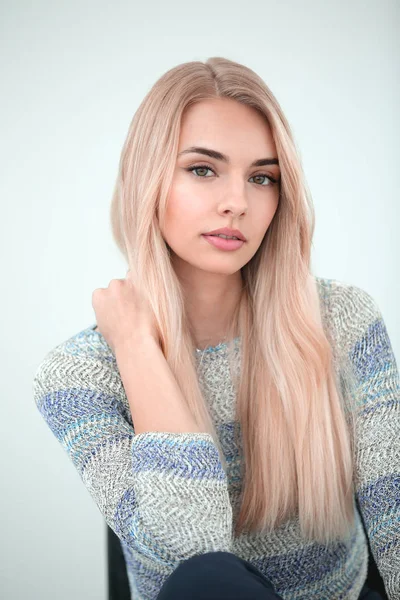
[{"x": 196, "y": 167}]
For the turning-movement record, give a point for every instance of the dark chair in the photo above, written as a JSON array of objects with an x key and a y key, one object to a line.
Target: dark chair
[
  {"x": 374, "y": 580},
  {"x": 118, "y": 585}
]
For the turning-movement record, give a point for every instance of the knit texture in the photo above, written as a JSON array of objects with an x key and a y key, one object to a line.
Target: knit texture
[{"x": 167, "y": 496}]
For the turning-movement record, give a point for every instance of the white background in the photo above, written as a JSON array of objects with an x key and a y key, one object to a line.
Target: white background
[{"x": 72, "y": 76}]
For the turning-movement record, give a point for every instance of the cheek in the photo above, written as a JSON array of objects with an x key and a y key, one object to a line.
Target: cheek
[
  {"x": 263, "y": 220},
  {"x": 270, "y": 210},
  {"x": 185, "y": 212}
]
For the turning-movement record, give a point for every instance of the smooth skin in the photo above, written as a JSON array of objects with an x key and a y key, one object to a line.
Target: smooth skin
[{"x": 222, "y": 194}]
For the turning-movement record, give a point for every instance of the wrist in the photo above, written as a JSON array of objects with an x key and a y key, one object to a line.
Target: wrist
[{"x": 136, "y": 343}]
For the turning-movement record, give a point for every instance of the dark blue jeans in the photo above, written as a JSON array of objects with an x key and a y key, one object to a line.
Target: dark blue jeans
[{"x": 224, "y": 576}]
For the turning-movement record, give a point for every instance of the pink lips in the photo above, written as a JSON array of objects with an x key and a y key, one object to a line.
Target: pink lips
[
  {"x": 227, "y": 231},
  {"x": 222, "y": 243}
]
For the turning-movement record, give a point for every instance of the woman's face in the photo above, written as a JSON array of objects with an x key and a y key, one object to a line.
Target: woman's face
[{"x": 220, "y": 193}]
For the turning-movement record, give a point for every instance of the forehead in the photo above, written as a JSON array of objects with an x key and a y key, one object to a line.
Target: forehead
[{"x": 225, "y": 124}]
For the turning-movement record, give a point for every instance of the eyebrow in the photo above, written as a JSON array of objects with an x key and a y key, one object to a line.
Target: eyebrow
[{"x": 219, "y": 156}]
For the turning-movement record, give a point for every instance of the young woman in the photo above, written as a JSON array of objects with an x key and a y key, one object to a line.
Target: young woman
[{"x": 229, "y": 408}]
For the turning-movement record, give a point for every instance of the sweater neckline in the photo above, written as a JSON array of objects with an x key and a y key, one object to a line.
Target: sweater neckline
[
  {"x": 216, "y": 348},
  {"x": 199, "y": 351}
]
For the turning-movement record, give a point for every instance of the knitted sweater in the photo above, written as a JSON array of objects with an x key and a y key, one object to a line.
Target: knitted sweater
[{"x": 167, "y": 496}]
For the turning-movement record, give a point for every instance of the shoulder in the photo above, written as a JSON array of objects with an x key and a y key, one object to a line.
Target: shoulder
[
  {"x": 346, "y": 298},
  {"x": 84, "y": 361},
  {"x": 84, "y": 345},
  {"x": 349, "y": 310}
]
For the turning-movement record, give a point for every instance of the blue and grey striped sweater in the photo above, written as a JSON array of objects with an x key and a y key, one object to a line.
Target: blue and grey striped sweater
[{"x": 167, "y": 496}]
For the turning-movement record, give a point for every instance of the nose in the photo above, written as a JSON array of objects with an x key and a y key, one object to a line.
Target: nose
[{"x": 234, "y": 201}]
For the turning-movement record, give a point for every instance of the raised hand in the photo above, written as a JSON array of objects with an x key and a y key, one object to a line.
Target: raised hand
[{"x": 122, "y": 313}]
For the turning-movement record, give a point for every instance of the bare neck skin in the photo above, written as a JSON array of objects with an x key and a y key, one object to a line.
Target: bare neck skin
[{"x": 210, "y": 300}]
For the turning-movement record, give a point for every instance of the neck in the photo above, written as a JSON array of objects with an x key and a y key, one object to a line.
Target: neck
[{"x": 210, "y": 302}]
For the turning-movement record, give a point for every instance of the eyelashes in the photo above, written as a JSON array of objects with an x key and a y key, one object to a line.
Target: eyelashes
[{"x": 272, "y": 180}]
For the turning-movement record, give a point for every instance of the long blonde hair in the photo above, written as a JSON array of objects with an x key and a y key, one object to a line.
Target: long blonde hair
[{"x": 298, "y": 454}]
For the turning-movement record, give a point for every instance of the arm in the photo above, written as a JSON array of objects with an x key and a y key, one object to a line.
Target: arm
[
  {"x": 377, "y": 408},
  {"x": 164, "y": 494},
  {"x": 160, "y": 405}
]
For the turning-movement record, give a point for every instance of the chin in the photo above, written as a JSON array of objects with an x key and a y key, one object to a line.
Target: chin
[{"x": 221, "y": 269}]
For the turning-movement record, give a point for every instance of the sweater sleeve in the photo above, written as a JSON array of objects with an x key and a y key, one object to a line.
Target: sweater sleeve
[
  {"x": 165, "y": 495},
  {"x": 377, "y": 419}
]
